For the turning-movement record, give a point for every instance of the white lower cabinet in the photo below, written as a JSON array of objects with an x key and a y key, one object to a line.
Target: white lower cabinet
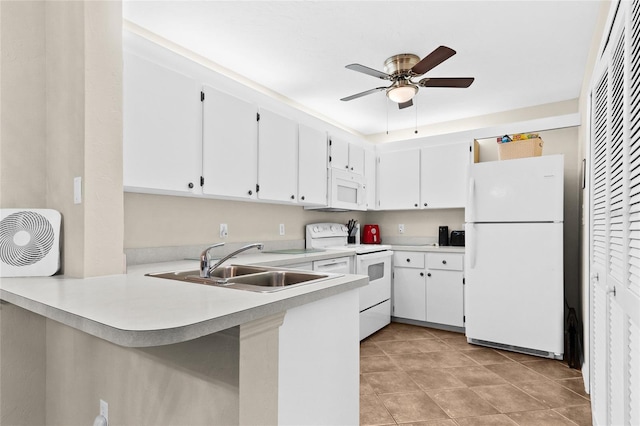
[
  {"x": 409, "y": 293},
  {"x": 429, "y": 287}
]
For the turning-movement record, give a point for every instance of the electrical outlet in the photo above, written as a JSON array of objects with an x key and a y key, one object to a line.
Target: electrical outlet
[
  {"x": 282, "y": 229},
  {"x": 224, "y": 230},
  {"x": 401, "y": 228}
]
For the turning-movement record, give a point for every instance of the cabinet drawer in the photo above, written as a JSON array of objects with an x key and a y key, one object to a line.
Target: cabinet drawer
[
  {"x": 449, "y": 261},
  {"x": 408, "y": 259}
]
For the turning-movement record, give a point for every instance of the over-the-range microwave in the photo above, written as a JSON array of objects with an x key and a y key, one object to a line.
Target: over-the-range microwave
[{"x": 346, "y": 191}]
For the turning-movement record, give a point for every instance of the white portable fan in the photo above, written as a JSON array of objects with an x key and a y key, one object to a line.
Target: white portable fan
[{"x": 29, "y": 242}]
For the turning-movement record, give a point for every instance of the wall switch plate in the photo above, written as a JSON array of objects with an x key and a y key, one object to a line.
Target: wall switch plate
[
  {"x": 282, "y": 229},
  {"x": 224, "y": 230},
  {"x": 77, "y": 190},
  {"x": 104, "y": 410},
  {"x": 401, "y": 228}
]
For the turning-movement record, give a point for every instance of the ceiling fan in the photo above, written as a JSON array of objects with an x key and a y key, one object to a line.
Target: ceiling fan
[{"x": 400, "y": 71}]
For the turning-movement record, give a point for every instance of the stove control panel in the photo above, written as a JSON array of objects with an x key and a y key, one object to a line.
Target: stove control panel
[{"x": 327, "y": 230}]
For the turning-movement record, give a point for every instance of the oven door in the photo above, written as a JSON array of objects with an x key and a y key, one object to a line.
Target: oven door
[{"x": 377, "y": 266}]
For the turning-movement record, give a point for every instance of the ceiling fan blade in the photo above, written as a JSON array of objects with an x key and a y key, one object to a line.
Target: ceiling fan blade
[
  {"x": 361, "y": 94},
  {"x": 433, "y": 59},
  {"x": 404, "y": 105},
  {"x": 369, "y": 71},
  {"x": 461, "y": 82}
]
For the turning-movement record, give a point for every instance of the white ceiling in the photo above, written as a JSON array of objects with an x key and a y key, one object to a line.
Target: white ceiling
[{"x": 521, "y": 53}]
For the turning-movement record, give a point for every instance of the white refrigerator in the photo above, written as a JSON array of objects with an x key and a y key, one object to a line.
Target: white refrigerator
[{"x": 514, "y": 279}]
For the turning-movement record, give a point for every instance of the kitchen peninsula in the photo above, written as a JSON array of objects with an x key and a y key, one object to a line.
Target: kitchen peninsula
[{"x": 162, "y": 351}]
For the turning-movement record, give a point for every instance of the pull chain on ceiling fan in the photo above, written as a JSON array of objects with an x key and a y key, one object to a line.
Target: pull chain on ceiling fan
[{"x": 401, "y": 69}]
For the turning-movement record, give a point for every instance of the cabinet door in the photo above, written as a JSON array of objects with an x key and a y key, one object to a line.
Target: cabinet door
[
  {"x": 399, "y": 180},
  {"x": 443, "y": 180},
  {"x": 445, "y": 297},
  {"x": 162, "y": 144},
  {"x": 356, "y": 159},
  {"x": 277, "y": 157},
  {"x": 230, "y": 146},
  {"x": 370, "y": 178},
  {"x": 312, "y": 166},
  {"x": 339, "y": 154},
  {"x": 409, "y": 293}
]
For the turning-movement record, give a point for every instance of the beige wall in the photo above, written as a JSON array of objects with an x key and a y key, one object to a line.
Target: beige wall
[
  {"x": 191, "y": 383},
  {"x": 61, "y": 117},
  {"x": 22, "y": 107},
  {"x": 417, "y": 223},
  {"x": 22, "y": 366},
  {"x": 490, "y": 120},
  {"x": 159, "y": 221}
]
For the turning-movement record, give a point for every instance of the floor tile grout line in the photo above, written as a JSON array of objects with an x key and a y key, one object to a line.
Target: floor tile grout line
[
  {"x": 518, "y": 385},
  {"x": 576, "y": 423}
]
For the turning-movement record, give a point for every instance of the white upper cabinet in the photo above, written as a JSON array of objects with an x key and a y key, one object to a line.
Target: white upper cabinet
[
  {"x": 356, "y": 159},
  {"x": 339, "y": 153},
  {"x": 312, "y": 166},
  {"x": 370, "y": 178},
  {"x": 161, "y": 128},
  {"x": 443, "y": 175},
  {"x": 230, "y": 146},
  {"x": 399, "y": 180},
  {"x": 277, "y": 158},
  {"x": 347, "y": 156}
]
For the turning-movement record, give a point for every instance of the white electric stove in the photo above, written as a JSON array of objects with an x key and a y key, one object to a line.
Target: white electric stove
[{"x": 373, "y": 260}]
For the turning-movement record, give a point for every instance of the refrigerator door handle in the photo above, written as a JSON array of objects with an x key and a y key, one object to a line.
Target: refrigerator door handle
[
  {"x": 471, "y": 241},
  {"x": 471, "y": 199}
]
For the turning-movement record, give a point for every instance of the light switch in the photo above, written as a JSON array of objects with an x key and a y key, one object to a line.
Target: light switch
[{"x": 77, "y": 190}]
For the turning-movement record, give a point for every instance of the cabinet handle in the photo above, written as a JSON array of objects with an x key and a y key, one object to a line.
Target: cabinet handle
[
  {"x": 429, "y": 274},
  {"x": 351, "y": 168},
  {"x": 408, "y": 260},
  {"x": 346, "y": 167},
  {"x": 444, "y": 262},
  {"x": 302, "y": 198},
  {"x": 190, "y": 185},
  {"x": 425, "y": 204},
  {"x": 293, "y": 197},
  {"x": 416, "y": 205},
  {"x": 422, "y": 274},
  {"x": 250, "y": 192}
]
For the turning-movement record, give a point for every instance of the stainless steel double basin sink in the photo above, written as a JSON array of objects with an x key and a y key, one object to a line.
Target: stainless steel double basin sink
[{"x": 261, "y": 279}]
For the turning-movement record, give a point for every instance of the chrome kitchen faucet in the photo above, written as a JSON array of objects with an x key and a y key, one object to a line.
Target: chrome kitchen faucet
[{"x": 205, "y": 259}]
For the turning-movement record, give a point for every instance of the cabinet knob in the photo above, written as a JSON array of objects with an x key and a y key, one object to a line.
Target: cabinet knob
[
  {"x": 422, "y": 274},
  {"x": 416, "y": 205},
  {"x": 346, "y": 167},
  {"x": 250, "y": 192},
  {"x": 429, "y": 274},
  {"x": 190, "y": 185},
  {"x": 351, "y": 168},
  {"x": 408, "y": 260},
  {"x": 293, "y": 197},
  {"x": 425, "y": 204},
  {"x": 444, "y": 262},
  {"x": 302, "y": 198}
]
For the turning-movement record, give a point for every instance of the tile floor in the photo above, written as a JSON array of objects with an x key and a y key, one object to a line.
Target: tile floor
[{"x": 426, "y": 377}]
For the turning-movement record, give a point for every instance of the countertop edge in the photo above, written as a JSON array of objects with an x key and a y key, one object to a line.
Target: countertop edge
[{"x": 160, "y": 337}]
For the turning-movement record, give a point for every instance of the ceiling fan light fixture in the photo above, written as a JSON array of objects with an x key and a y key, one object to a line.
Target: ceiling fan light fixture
[{"x": 402, "y": 93}]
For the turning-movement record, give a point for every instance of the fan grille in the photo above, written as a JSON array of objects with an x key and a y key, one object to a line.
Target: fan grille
[{"x": 25, "y": 238}]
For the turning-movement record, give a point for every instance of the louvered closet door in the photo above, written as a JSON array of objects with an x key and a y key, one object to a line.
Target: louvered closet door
[{"x": 615, "y": 218}]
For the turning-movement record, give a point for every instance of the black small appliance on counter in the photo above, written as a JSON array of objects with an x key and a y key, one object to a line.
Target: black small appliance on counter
[
  {"x": 457, "y": 238},
  {"x": 443, "y": 236}
]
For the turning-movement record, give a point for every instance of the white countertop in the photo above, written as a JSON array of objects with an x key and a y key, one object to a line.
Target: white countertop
[
  {"x": 137, "y": 311},
  {"x": 428, "y": 248}
]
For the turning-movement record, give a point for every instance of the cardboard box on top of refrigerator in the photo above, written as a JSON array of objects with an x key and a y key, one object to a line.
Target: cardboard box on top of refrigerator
[{"x": 520, "y": 149}]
